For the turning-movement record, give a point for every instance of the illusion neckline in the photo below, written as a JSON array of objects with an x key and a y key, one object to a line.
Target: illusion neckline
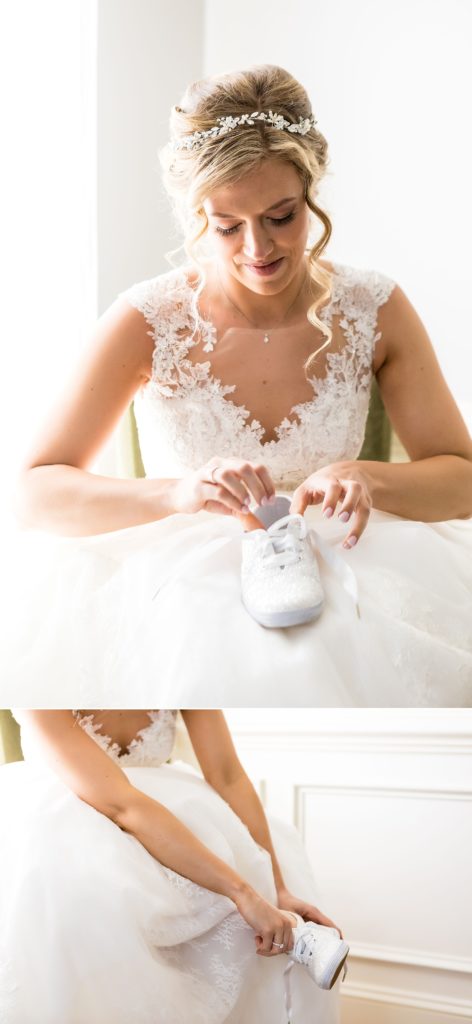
[{"x": 251, "y": 423}]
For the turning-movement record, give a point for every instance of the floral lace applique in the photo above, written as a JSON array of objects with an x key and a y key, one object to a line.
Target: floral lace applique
[
  {"x": 184, "y": 414},
  {"x": 152, "y": 745}
]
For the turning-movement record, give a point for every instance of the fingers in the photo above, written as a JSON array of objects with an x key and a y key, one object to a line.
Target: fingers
[
  {"x": 257, "y": 481},
  {"x": 239, "y": 482},
  {"x": 312, "y": 913},
  {"x": 334, "y": 492},
  {"x": 355, "y": 506},
  {"x": 354, "y": 500},
  {"x": 302, "y": 498},
  {"x": 288, "y": 933},
  {"x": 249, "y": 521},
  {"x": 267, "y": 942},
  {"x": 274, "y": 943}
]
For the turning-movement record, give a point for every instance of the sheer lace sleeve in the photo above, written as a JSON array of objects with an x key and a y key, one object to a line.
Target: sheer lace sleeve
[{"x": 168, "y": 304}]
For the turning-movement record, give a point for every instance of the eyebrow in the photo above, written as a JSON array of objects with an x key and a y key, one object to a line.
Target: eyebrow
[{"x": 273, "y": 207}]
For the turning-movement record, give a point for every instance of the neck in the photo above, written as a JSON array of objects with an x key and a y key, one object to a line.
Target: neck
[{"x": 263, "y": 310}]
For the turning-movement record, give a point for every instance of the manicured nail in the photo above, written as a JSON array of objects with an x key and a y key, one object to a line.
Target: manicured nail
[
  {"x": 350, "y": 543},
  {"x": 264, "y": 501},
  {"x": 328, "y": 513},
  {"x": 245, "y": 510},
  {"x": 344, "y": 516},
  {"x": 272, "y": 499}
]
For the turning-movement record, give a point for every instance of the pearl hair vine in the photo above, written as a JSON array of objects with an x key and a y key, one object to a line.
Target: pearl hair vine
[{"x": 226, "y": 124}]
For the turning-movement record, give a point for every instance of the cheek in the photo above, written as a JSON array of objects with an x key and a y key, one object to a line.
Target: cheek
[
  {"x": 295, "y": 234},
  {"x": 218, "y": 245}
]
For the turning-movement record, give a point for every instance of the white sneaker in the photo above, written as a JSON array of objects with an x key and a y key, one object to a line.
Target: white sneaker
[
  {"x": 320, "y": 950},
  {"x": 280, "y": 580}
]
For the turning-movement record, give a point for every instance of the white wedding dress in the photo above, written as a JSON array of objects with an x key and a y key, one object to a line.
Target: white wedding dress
[
  {"x": 94, "y": 930},
  {"x": 153, "y": 613}
]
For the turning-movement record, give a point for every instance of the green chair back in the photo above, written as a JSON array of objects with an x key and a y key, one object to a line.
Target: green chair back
[
  {"x": 10, "y": 745},
  {"x": 377, "y": 444}
]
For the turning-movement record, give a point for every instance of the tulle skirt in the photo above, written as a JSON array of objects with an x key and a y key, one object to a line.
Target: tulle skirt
[
  {"x": 93, "y": 930},
  {"x": 152, "y": 616}
]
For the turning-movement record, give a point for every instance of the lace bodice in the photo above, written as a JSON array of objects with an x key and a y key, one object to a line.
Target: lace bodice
[
  {"x": 152, "y": 745},
  {"x": 184, "y": 415}
]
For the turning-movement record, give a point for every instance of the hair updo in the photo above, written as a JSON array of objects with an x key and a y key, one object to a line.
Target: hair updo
[{"x": 190, "y": 175}]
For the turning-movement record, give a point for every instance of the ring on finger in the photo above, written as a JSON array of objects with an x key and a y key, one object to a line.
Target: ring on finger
[
  {"x": 212, "y": 474},
  {"x": 279, "y": 945}
]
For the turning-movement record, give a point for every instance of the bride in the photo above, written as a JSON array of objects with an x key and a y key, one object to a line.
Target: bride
[
  {"x": 137, "y": 889},
  {"x": 250, "y": 367}
]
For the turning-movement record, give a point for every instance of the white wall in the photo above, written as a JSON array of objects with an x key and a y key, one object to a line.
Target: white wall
[
  {"x": 147, "y": 52},
  {"x": 390, "y": 85},
  {"x": 383, "y": 800}
]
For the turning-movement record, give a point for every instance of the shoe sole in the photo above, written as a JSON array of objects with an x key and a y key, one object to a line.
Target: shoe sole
[
  {"x": 276, "y": 620},
  {"x": 335, "y": 967}
]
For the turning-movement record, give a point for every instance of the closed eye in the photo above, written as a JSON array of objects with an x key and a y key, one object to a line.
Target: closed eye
[{"x": 275, "y": 220}]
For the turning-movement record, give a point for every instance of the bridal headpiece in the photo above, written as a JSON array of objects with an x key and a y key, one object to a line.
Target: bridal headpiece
[{"x": 226, "y": 124}]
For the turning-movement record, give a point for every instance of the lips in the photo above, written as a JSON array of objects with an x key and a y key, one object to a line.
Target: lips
[{"x": 263, "y": 264}]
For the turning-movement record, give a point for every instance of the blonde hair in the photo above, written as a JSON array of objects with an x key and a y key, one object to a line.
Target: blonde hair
[{"x": 190, "y": 175}]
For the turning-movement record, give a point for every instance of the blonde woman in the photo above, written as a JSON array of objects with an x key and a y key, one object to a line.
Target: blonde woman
[
  {"x": 133, "y": 889},
  {"x": 250, "y": 366}
]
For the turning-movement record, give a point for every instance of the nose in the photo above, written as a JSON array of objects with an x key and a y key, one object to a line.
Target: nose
[{"x": 257, "y": 243}]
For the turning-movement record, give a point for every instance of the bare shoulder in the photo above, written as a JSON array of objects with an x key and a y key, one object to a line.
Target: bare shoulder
[
  {"x": 401, "y": 327},
  {"x": 127, "y": 326},
  {"x": 415, "y": 393}
]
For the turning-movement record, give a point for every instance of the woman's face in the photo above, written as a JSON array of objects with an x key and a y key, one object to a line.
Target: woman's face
[{"x": 262, "y": 219}]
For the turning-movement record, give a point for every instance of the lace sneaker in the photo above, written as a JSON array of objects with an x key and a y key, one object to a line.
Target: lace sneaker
[
  {"x": 320, "y": 950},
  {"x": 280, "y": 580}
]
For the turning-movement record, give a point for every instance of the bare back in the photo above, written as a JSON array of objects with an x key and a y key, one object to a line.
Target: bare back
[{"x": 121, "y": 727}]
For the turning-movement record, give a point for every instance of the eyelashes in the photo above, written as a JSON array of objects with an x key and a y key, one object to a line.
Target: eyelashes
[{"x": 275, "y": 220}]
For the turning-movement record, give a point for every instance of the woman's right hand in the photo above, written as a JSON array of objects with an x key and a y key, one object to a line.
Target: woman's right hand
[
  {"x": 224, "y": 486},
  {"x": 270, "y": 924}
]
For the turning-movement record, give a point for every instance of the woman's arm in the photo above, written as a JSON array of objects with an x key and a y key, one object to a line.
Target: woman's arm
[
  {"x": 222, "y": 769},
  {"x": 437, "y": 484},
  {"x": 215, "y": 752},
  {"x": 97, "y": 780},
  {"x": 54, "y": 490}
]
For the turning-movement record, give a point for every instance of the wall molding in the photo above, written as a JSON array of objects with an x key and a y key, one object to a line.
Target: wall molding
[
  {"x": 343, "y": 741},
  {"x": 301, "y": 791},
  {"x": 410, "y": 958},
  {"x": 403, "y": 997}
]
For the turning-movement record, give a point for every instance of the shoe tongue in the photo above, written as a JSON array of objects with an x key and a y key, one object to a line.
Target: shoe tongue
[
  {"x": 305, "y": 941},
  {"x": 269, "y": 514}
]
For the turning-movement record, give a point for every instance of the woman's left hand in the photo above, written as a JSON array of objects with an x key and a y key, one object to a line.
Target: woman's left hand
[
  {"x": 342, "y": 482},
  {"x": 286, "y": 901}
]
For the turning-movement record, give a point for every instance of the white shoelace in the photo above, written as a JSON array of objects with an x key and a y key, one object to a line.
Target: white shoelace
[
  {"x": 283, "y": 547},
  {"x": 303, "y": 949},
  {"x": 306, "y": 942}
]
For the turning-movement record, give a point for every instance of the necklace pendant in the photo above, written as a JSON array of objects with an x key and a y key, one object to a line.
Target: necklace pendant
[{"x": 266, "y": 338}]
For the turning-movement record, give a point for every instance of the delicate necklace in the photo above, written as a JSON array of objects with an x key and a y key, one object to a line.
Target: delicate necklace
[{"x": 266, "y": 332}]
